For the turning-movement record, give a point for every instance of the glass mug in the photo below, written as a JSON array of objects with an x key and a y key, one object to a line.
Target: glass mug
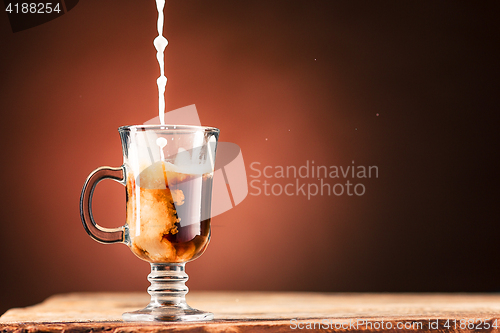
[{"x": 167, "y": 171}]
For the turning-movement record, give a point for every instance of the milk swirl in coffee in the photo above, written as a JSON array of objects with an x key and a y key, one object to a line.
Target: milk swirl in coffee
[{"x": 172, "y": 209}]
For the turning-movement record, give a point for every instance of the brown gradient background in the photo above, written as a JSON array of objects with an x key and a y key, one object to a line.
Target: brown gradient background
[{"x": 310, "y": 76}]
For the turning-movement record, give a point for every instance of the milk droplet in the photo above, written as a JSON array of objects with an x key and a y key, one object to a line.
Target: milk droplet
[
  {"x": 160, "y": 43},
  {"x": 162, "y": 81},
  {"x": 161, "y": 142}
]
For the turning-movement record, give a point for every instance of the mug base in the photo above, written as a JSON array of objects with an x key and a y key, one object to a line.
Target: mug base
[{"x": 168, "y": 313}]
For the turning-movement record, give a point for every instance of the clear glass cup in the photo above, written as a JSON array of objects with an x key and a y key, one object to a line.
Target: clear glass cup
[{"x": 168, "y": 172}]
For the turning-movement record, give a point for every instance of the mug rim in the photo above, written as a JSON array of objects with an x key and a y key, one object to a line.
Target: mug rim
[{"x": 168, "y": 128}]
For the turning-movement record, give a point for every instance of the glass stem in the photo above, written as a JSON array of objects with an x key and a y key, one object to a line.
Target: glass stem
[
  {"x": 168, "y": 285},
  {"x": 168, "y": 297}
]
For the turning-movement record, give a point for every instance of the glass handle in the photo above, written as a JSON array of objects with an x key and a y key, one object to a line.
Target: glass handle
[{"x": 98, "y": 233}]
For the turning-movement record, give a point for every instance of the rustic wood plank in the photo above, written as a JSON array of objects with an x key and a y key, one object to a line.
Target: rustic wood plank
[{"x": 262, "y": 311}]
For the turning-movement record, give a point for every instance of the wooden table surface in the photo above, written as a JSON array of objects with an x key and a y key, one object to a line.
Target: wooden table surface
[{"x": 266, "y": 312}]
